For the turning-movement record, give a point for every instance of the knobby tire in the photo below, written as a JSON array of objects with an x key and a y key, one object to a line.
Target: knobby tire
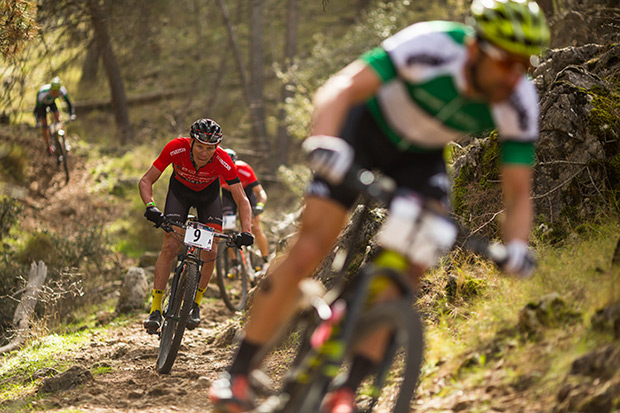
[
  {"x": 397, "y": 315},
  {"x": 234, "y": 300},
  {"x": 63, "y": 151},
  {"x": 172, "y": 332},
  {"x": 409, "y": 337},
  {"x": 61, "y": 154}
]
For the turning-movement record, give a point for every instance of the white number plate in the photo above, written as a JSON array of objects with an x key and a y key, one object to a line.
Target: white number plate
[
  {"x": 230, "y": 221},
  {"x": 199, "y": 236}
]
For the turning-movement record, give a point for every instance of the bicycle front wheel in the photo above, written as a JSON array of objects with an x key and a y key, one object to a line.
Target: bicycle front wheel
[
  {"x": 232, "y": 279},
  {"x": 176, "y": 318},
  {"x": 63, "y": 154},
  {"x": 397, "y": 378}
]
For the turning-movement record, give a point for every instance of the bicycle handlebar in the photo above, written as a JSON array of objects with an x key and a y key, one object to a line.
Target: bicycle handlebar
[
  {"x": 168, "y": 226},
  {"x": 382, "y": 189}
]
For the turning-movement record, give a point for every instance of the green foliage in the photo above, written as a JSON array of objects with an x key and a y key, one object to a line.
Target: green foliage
[
  {"x": 18, "y": 366},
  {"x": 14, "y": 164},
  {"x": 58, "y": 251},
  {"x": 17, "y": 25},
  {"x": 476, "y": 186},
  {"x": 580, "y": 279},
  {"x": 295, "y": 178},
  {"x": 605, "y": 115},
  {"x": 9, "y": 214}
]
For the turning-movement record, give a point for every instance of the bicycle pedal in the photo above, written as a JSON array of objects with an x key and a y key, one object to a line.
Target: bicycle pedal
[{"x": 152, "y": 332}]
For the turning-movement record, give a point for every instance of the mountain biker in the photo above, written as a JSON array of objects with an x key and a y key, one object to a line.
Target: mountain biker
[
  {"x": 393, "y": 110},
  {"x": 256, "y": 195},
  {"x": 197, "y": 163},
  {"x": 46, "y": 100}
]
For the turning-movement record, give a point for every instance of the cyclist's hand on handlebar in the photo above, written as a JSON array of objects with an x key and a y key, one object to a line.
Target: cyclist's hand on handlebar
[
  {"x": 245, "y": 238},
  {"x": 520, "y": 262},
  {"x": 258, "y": 208},
  {"x": 154, "y": 215},
  {"x": 329, "y": 157},
  {"x": 72, "y": 117}
]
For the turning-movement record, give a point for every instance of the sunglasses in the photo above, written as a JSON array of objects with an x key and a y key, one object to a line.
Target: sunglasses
[{"x": 507, "y": 61}]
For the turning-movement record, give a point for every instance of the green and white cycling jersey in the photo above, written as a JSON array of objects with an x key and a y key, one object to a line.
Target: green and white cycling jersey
[
  {"x": 44, "y": 97},
  {"x": 422, "y": 106}
]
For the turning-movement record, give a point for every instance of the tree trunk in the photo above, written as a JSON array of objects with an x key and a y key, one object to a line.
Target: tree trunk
[
  {"x": 25, "y": 308},
  {"x": 290, "y": 50},
  {"x": 240, "y": 68},
  {"x": 257, "y": 77},
  {"x": 90, "y": 67},
  {"x": 112, "y": 69}
]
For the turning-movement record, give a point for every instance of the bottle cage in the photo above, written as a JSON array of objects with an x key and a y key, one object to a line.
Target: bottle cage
[{"x": 420, "y": 234}]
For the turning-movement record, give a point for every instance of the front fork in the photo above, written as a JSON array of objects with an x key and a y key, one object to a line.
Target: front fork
[{"x": 191, "y": 255}]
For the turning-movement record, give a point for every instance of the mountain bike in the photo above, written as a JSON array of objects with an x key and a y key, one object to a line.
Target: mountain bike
[
  {"x": 237, "y": 268},
  {"x": 61, "y": 146},
  {"x": 179, "y": 299},
  {"x": 349, "y": 313}
]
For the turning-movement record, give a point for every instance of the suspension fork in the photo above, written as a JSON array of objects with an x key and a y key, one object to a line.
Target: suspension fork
[{"x": 190, "y": 256}]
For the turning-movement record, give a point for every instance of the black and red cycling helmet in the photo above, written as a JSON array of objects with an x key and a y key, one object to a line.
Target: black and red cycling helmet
[{"x": 206, "y": 131}]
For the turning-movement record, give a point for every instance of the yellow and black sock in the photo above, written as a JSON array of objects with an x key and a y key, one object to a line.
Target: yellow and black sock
[
  {"x": 199, "y": 295},
  {"x": 157, "y": 297}
]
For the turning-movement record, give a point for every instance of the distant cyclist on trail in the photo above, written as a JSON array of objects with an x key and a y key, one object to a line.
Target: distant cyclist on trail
[
  {"x": 257, "y": 197},
  {"x": 46, "y": 99},
  {"x": 393, "y": 110},
  {"x": 198, "y": 165}
]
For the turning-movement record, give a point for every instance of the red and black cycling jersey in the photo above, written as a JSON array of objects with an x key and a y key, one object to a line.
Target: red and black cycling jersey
[
  {"x": 178, "y": 153},
  {"x": 246, "y": 175}
]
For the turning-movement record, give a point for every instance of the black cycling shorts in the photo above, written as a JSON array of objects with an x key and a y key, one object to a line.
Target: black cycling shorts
[
  {"x": 424, "y": 172},
  {"x": 207, "y": 202},
  {"x": 228, "y": 202},
  {"x": 40, "y": 112}
]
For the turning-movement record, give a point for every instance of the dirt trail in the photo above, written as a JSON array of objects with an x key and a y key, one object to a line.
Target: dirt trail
[{"x": 132, "y": 384}]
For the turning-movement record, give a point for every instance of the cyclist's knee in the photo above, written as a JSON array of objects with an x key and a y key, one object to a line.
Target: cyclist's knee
[
  {"x": 209, "y": 255},
  {"x": 170, "y": 248}
]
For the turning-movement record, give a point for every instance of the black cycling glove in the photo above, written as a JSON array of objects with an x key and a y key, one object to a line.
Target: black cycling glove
[
  {"x": 245, "y": 238},
  {"x": 154, "y": 215}
]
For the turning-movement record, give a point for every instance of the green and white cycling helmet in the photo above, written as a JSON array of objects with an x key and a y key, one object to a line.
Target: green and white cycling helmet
[
  {"x": 55, "y": 84},
  {"x": 517, "y": 26}
]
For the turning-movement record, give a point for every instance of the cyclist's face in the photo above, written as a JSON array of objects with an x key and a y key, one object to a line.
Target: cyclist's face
[
  {"x": 498, "y": 72},
  {"x": 203, "y": 152}
]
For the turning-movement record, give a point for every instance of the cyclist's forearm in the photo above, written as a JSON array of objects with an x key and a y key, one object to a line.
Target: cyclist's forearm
[
  {"x": 245, "y": 210},
  {"x": 146, "y": 184},
  {"x": 517, "y": 202}
]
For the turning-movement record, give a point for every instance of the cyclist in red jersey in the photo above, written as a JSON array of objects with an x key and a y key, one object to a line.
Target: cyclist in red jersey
[
  {"x": 256, "y": 195},
  {"x": 199, "y": 164}
]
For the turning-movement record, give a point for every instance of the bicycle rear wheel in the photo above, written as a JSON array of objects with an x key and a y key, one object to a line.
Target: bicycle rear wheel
[
  {"x": 232, "y": 279},
  {"x": 176, "y": 318}
]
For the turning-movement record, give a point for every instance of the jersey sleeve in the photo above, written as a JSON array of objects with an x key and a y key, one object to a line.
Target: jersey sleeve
[
  {"x": 226, "y": 168},
  {"x": 70, "y": 106},
  {"x": 517, "y": 124},
  {"x": 380, "y": 61},
  {"x": 165, "y": 157}
]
